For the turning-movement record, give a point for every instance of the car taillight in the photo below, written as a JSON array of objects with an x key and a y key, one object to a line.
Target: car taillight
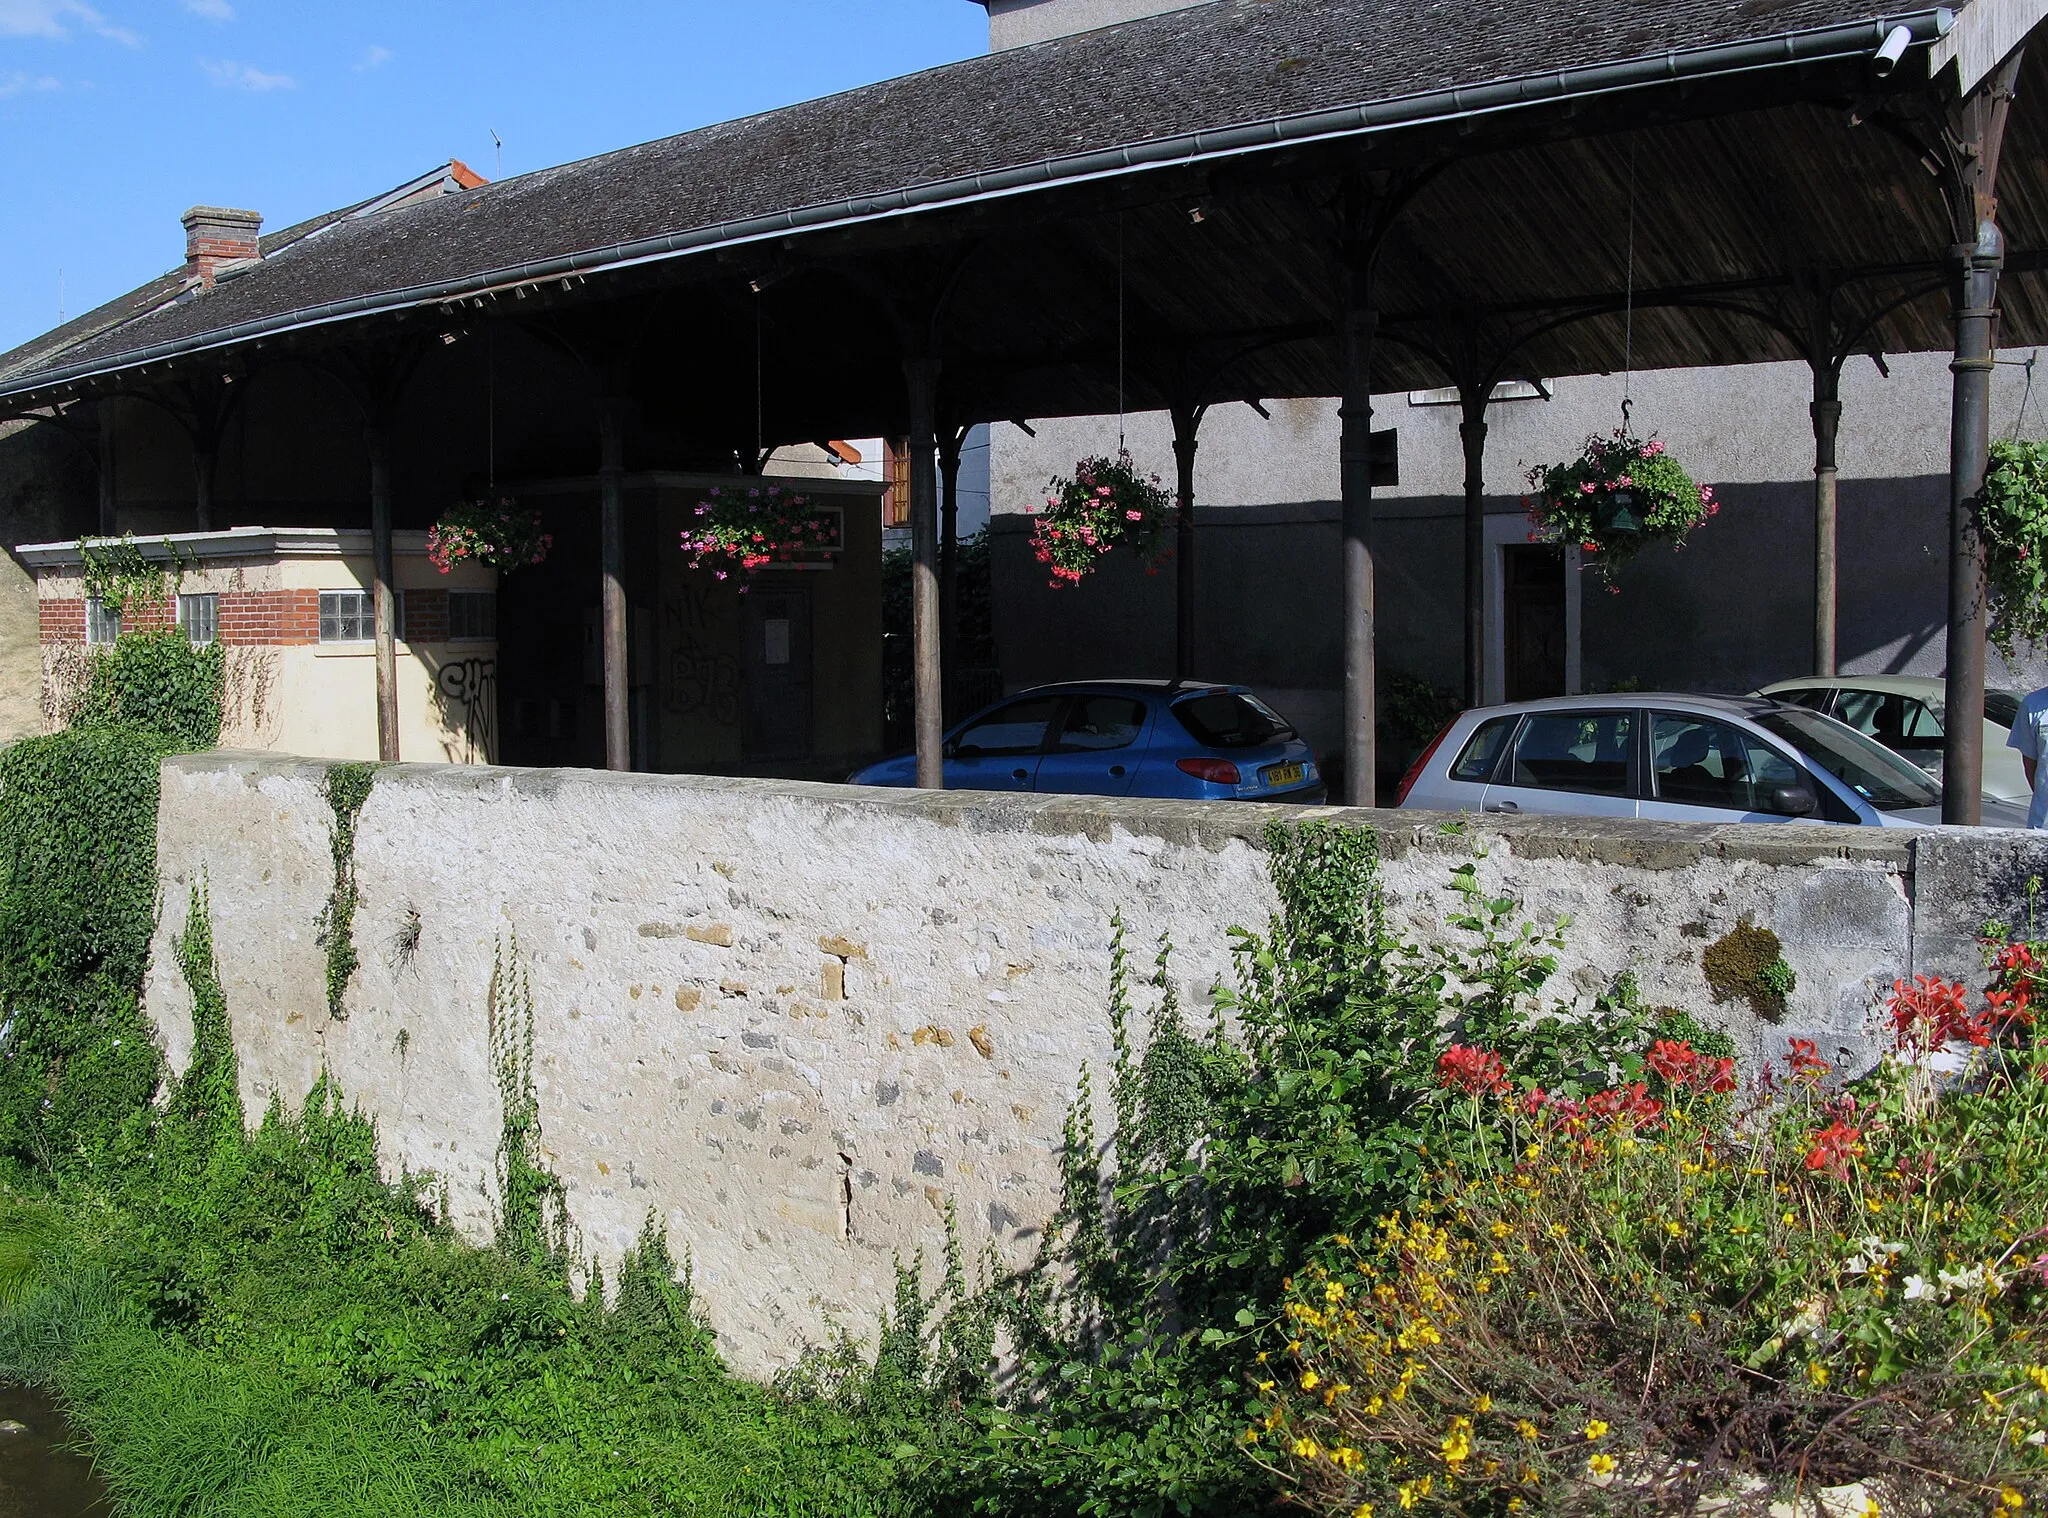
[
  {"x": 1215, "y": 771},
  {"x": 1415, "y": 770}
]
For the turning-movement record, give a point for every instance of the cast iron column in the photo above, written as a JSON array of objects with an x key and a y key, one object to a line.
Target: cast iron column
[
  {"x": 1976, "y": 297},
  {"x": 1472, "y": 433},
  {"x": 103, "y": 414},
  {"x": 1186, "y": 419},
  {"x": 949, "y": 559},
  {"x": 1355, "y": 451},
  {"x": 203, "y": 461},
  {"x": 383, "y": 604},
  {"x": 1827, "y": 423},
  {"x": 922, "y": 378},
  {"x": 611, "y": 476}
]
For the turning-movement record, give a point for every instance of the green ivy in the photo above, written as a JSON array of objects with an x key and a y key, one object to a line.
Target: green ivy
[
  {"x": 155, "y": 680},
  {"x": 348, "y": 787},
  {"x": 116, "y": 573},
  {"x": 533, "y": 1218},
  {"x": 2014, "y": 521},
  {"x": 207, "y": 1097},
  {"x": 77, "y": 909}
]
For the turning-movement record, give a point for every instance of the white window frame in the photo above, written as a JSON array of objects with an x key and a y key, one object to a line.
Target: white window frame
[
  {"x": 368, "y": 617},
  {"x": 490, "y": 598},
  {"x": 102, "y": 627},
  {"x": 187, "y": 604}
]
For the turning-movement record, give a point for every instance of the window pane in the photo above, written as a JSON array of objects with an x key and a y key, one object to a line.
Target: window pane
[
  {"x": 1700, "y": 762},
  {"x": 472, "y": 615},
  {"x": 101, "y": 624},
  {"x": 1873, "y": 772},
  {"x": 2001, "y": 707},
  {"x": 1227, "y": 719},
  {"x": 1575, "y": 752},
  {"x": 1018, "y": 728},
  {"x": 1101, "y": 722},
  {"x": 1816, "y": 699},
  {"x": 1482, "y": 750},
  {"x": 1921, "y": 726},
  {"x": 345, "y": 617},
  {"x": 199, "y": 616}
]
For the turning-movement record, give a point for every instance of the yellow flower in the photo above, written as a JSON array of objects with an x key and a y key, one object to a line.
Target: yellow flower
[
  {"x": 1265, "y": 1386},
  {"x": 1483, "y": 1404},
  {"x": 1363, "y": 1510},
  {"x": 2038, "y": 1374},
  {"x": 1305, "y": 1448},
  {"x": 1790, "y": 1219},
  {"x": 1674, "y": 1230},
  {"x": 1870, "y": 1509},
  {"x": 1595, "y": 1430},
  {"x": 1310, "y": 1380},
  {"x": 1334, "y": 1292},
  {"x": 1527, "y": 1429},
  {"x": 1601, "y": 1465},
  {"x": 2010, "y": 1501}
]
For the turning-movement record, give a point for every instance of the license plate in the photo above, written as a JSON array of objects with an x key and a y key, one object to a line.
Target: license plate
[{"x": 1285, "y": 774}]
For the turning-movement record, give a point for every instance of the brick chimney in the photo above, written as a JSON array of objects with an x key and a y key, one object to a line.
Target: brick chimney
[{"x": 215, "y": 236}]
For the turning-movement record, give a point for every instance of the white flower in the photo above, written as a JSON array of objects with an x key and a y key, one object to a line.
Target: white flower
[{"x": 1918, "y": 1290}]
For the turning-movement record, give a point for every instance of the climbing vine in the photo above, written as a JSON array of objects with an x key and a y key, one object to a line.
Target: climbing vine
[
  {"x": 77, "y": 908},
  {"x": 2015, "y": 525},
  {"x": 348, "y": 787},
  {"x": 116, "y": 572},
  {"x": 156, "y": 680},
  {"x": 533, "y": 1220},
  {"x": 208, "y": 1097}
]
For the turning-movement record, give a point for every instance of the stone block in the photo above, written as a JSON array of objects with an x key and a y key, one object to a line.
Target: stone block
[{"x": 719, "y": 935}]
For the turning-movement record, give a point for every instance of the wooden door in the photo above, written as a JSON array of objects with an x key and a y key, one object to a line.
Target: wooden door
[{"x": 1532, "y": 620}]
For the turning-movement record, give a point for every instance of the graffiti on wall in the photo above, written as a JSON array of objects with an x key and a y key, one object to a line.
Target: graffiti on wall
[
  {"x": 467, "y": 693},
  {"x": 703, "y": 679}
]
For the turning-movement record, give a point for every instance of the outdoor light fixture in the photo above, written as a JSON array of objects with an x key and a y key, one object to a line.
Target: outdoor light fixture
[
  {"x": 1896, "y": 41},
  {"x": 1617, "y": 513},
  {"x": 1196, "y": 215}
]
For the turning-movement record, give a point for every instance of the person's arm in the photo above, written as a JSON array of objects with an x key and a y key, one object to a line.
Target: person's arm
[{"x": 2030, "y": 772}]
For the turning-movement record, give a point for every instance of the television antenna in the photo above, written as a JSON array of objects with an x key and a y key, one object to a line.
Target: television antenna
[{"x": 498, "y": 144}]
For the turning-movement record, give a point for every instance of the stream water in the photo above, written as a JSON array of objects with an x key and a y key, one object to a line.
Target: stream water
[{"x": 38, "y": 1477}]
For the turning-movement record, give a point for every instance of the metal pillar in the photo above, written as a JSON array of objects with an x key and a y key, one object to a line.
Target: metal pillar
[
  {"x": 1355, "y": 450},
  {"x": 611, "y": 478},
  {"x": 922, "y": 377},
  {"x": 203, "y": 462},
  {"x": 104, "y": 416},
  {"x": 1976, "y": 297},
  {"x": 949, "y": 557},
  {"x": 383, "y": 603},
  {"x": 1186, "y": 419},
  {"x": 1472, "y": 433},
  {"x": 1827, "y": 423}
]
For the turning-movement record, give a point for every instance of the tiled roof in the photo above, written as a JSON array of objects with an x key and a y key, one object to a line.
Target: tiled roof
[{"x": 1212, "y": 66}]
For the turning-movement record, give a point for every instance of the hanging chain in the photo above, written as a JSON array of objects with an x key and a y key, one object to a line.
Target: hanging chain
[
  {"x": 760, "y": 426},
  {"x": 1628, "y": 308},
  {"x": 1119, "y": 332}
]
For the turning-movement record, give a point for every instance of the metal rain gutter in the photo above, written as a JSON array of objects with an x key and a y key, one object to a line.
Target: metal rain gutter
[{"x": 1429, "y": 107}]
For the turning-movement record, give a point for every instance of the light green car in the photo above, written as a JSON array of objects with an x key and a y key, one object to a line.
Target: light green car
[{"x": 1904, "y": 713}]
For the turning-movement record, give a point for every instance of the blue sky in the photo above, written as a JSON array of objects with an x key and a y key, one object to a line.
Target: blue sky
[{"x": 116, "y": 115}]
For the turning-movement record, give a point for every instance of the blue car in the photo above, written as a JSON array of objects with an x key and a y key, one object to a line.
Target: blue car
[{"x": 1125, "y": 738}]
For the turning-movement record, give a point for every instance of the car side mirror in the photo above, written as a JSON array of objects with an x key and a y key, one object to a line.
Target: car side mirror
[{"x": 1793, "y": 801}]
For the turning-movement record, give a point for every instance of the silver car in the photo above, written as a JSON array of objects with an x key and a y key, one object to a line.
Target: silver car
[
  {"x": 1904, "y": 713},
  {"x": 1676, "y": 758}
]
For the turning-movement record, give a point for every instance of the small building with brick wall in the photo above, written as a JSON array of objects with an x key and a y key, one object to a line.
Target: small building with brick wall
[{"x": 291, "y": 608}]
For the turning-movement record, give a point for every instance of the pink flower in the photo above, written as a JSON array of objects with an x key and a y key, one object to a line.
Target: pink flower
[{"x": 1134, "y": 516}]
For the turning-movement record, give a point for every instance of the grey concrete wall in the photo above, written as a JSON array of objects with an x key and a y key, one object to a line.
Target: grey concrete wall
[
  {"x": 1730, "y": 612},
  {"x": 796, "y": 1020}
]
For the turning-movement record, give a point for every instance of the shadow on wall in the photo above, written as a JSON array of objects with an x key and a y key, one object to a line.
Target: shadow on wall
[{"x": 41, "y": 469}]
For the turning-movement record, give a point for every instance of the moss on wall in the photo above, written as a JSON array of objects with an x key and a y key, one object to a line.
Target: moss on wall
[{"x": 1748, "y": 961}]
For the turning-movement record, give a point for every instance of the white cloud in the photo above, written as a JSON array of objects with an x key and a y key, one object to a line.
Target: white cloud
[
  {"x": 373, "y": 57},
  {"x": 212, "y": 10},
  {"x": 241, "y": 76},
  {"x": 54, "y": 19},
  {"x": 18, "y": 83}
]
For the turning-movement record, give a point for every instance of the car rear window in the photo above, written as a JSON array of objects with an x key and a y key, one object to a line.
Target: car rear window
[
  {"x": 2001, "y": 707},
  {"x": 1482, "y": 751},
  {"x": 1226, "y": 719}
]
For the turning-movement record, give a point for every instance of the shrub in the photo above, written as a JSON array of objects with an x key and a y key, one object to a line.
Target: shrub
[{"x": 1672, "y": 1290}]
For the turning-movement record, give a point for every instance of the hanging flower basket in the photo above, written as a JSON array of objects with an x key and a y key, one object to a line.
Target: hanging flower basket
[
  {"x": 1107, "y": 502},
  {"x": 1621, "y": 493},
  {"x": 2014, "y": 520},
  {"x": 741, "y": 531},
  {"x": 498, "y": 532}
]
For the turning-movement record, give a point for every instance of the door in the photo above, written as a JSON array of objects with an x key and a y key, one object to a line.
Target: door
[
  {"x": 1097, "y": 749},
  {"x": 1532, "y": 620},
  {"x": 777, "y": 725},
  {"x": 1570, "y": 763},
  {"x": 1000, "y": 752},
  {"x": 1703, "y": 770}
]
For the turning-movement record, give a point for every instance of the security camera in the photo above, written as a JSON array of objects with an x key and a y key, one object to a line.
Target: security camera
[{"x": 1896, "y": 41}]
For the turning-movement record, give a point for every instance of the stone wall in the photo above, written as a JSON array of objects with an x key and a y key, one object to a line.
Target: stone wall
[{"x": 795, "y": 1021}]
